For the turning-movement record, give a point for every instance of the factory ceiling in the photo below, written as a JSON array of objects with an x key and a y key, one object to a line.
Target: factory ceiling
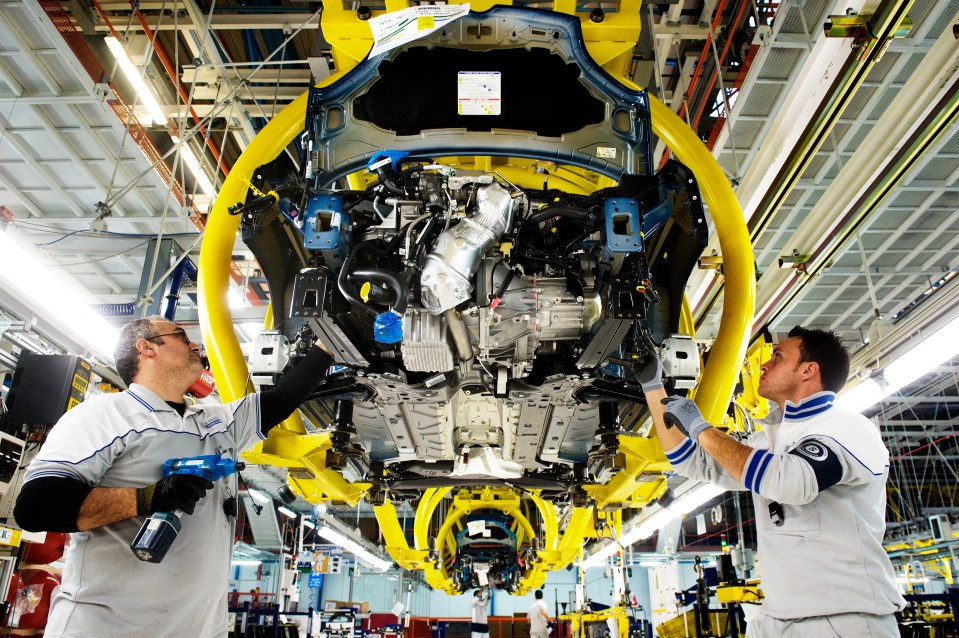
[{"x": 844, "y": 153}]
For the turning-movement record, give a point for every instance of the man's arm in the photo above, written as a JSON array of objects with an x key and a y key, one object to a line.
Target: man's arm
[
  {"x": 63, "y": 504},
  {"x": 60, "y": 504},
  {"x": 729, "y": 453},
  {"x": 106, "y": 505},
  {"x": 668, "y": 437},
  {"x": 292, "y": 389}
]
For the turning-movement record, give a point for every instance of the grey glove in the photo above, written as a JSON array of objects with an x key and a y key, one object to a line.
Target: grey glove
[
  {"x": 684, "y": 415},
  {"x": 650, "y": 375}
]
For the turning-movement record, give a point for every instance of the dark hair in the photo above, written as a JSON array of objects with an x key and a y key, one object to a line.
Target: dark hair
[
  {"x": 477, "y": 592},
  {"x": 125, "y": 354},
  {"x": 825, "y": 348},
  {"x": 539, "y": 594}
]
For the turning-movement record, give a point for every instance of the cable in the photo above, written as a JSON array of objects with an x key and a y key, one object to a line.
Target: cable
[
  {"x": 32, "y": 227},
  {"x": 96, "y": 259},
  {"x": 256, "y": 506}
]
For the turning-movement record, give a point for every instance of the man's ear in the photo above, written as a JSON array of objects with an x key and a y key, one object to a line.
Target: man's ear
[
  {"x": 145, "y": 348},
  {"x": 810, "y": 371}
]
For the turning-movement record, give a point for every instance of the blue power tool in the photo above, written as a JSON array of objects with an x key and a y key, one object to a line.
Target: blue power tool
[{"x": 160, "y": 530}]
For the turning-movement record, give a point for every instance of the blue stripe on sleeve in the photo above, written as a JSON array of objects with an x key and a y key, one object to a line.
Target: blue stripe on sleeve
[
  {"x": 751, "y": 469},
  {"x": 689, "y": 453},
  {"x": 681, "y": 453},
  {"x": 767, "y": 457}
]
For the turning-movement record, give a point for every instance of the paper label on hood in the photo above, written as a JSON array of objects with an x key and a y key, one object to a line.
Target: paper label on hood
[{"x": 479, "y": 92}]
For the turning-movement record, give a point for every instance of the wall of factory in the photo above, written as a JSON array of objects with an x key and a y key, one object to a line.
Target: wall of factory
[{"x": 381, "y": 592}]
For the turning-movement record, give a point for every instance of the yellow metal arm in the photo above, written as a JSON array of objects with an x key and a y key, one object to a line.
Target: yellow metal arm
[{"x": 638, "y": 456}]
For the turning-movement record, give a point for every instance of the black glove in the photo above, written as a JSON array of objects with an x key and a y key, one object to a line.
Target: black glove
[
  {"x": 650, "y": 375},
  {"x": 684, "y": 415},
  {"x": 175, "y": 492}
]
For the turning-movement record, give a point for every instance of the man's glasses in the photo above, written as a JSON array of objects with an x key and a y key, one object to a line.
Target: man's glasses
[{"x": 179, "y": 333}]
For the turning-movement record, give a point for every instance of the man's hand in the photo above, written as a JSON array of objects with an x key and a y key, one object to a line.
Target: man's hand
[
  {"x": 650, "y": 376},
  {"x": 175, "y": 492},
  {"x": 684, "y": 415}
]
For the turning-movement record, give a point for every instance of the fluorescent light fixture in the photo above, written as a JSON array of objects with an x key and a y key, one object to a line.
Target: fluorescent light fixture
[
  {"x": 251, "y": 329},
  {"x": 352, "y": 546},
  {"x": 651, "y": 563},
  {"x": 929, "y": 353},
  {"x": 308, "y": 523},
  {"x": 188, "y": 158},
  {"x": 286, "y": 511},
  {"x": 599, "y": 557},
  {"x": 55, "y": 293},
  {"x": 245, "y": 562},
  {"x": 234, "y": 300},
  {"x": 135, "y": 76},
  {"x": 868, "y": 393},
  {"x": 681, "y": 506},
  {"x": 258, "y": 496}
]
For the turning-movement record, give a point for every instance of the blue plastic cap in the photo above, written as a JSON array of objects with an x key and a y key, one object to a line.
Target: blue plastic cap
[
  {"x": 394, "y": 156},
  {"x": 388, "y": 327}
]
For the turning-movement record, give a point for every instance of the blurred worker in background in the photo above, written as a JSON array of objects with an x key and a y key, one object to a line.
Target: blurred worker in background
[
  {"x": 538, "y": 617},
  {"x": 98, "y": 475},
  {"x": 818, "y": 476},
  {"x": 479, "y": 628}
]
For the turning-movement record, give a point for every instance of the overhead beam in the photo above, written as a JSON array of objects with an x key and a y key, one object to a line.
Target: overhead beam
[{"x": 230, "y": 22}]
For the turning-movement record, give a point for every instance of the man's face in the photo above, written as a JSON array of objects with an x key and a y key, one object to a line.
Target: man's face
[
  {"x": 780, "y": 375},
  {"x": 176, "y": 356}
]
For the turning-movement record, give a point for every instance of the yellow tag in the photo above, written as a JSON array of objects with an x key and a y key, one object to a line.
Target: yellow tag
[
  {"x": 9, "y": 536},
  {"x": 365, "y": 292},
  {"x": 424, "y": 22}
]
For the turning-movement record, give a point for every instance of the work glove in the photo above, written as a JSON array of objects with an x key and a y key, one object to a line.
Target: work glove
[
  {"x": 175, "y": 492},
  {"x": 650, "y": 374},
  {"x": 684, "y": 415}
]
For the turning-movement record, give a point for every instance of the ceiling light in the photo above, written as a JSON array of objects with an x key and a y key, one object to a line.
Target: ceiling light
[
  {"x": 258, "y": 496},
  {"x": 186, "y": 155},
  {"x": 928, "y": 354},
  {"x": 234, "y": 299},
  {"x": 286, "y": 511},
  {"x": 56, "y": 296},
  {"x": 135, "y": 76},
  {"x": 868, "y": 393},
  {"x": 251, "y": 330},
  {"x": 245, "y": 562},
  {"x": 352, "y": 546},
  {"x": 681, "y": 506},
  {"x": 308, "y": 523}
]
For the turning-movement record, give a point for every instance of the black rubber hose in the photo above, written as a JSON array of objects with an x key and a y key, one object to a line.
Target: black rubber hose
[
  {"x": 391, "y": 280},
  {"x": 559, "y": 211},
  {"x": 342, "y": 279},
  {"x": 344, "y": 285},
  {"x": 387, "y": 178}
]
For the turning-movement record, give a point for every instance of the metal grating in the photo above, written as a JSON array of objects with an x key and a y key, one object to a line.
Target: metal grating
[{"x": 780, "y": 64}]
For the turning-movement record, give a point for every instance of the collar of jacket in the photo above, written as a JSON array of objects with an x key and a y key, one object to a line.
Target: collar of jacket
[{"x": 809, "y": 407}]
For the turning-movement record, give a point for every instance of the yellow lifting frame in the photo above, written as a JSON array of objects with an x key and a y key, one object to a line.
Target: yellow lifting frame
[
  {"x": 351, "y": 40},
  {"x": 557, "y": 552},
  {"x": 578, "y": 622},
  {"x": 637, "y": 456}
]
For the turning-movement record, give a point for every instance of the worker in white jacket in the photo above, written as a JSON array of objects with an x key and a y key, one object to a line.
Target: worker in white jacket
[{"x": 818, "y": 477}]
